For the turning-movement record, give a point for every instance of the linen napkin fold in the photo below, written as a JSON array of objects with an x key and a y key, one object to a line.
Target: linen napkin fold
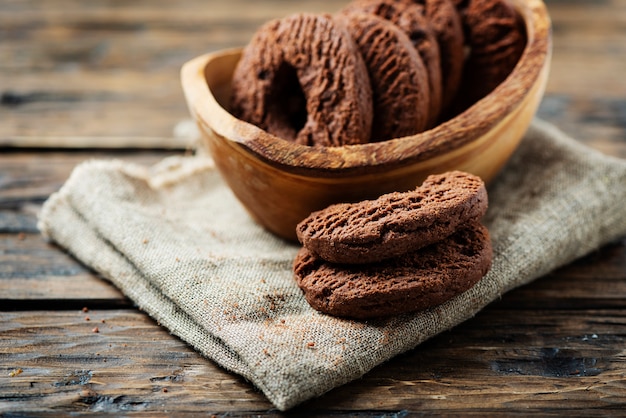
[{"x": 176, "y": 241}]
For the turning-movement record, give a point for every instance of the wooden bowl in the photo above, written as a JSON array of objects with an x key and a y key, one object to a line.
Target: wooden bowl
[{"x": 280, "y": 183}]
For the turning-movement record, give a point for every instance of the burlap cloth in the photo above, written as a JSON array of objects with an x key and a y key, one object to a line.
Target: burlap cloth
[{"x": 175, "y": 240}]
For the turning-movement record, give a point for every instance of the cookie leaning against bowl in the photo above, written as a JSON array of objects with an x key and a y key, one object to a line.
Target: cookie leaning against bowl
[
  {"x": 396, "y": 71},
  {"x": 374, "y": 230},
  {"x": 302, "y": 79},
  {"x": 410, "y": 18},
  {"x": 496, "y": 39},
  {"x": 412, "y": 282}
]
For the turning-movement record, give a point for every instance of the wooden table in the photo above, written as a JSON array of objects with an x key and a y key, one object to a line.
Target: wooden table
[{"x": 99, "y": 79}]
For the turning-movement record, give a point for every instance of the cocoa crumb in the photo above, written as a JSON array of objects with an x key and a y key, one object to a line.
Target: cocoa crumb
[
  {"x": 85, "y": 309},
  {"x": 95, "y": 330},
  {"x": 103, "y": 321},
  {"x": 165, "y": 390},
  {"x": 267, "y": 353},
  {"x": 282, "y": 321},
  {"x": 87, "y": 318},
  {"x": 15, "y": 372},
  {"x": 310, "y": 344}
]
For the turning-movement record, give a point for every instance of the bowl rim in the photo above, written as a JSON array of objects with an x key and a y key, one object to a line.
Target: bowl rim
[{"x": 445, "y": 137}]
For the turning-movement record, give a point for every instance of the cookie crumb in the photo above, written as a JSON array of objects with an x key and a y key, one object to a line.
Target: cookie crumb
[
  {"x": 95, "y": 330},
  {"x": 85, "y": 309},
  {"x": 15, "y": 372},
  {"x": 145, "y": 240},
  {"x": 165, "y": 390},
  {"x": 87, "y": 318},
  {"x": 310, "y": 344}
]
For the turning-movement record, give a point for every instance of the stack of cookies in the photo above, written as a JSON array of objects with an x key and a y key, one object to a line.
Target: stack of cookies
[
  {"x": 400, "y": 253},
  {"x": 376, "y": 70}
]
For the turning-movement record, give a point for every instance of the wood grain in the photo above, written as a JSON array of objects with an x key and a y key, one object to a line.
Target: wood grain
[
  {"x": 129, "y": 364},
  {"x": 558, "y": 360}
]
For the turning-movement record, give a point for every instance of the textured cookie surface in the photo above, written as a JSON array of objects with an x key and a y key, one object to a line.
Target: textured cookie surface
[
  {"x": 415, "y": 281},
  {"x": 395, "y": 223},
  {"x": 397, "y": 75},
  {"x": 496, "y": 38},
  {"x": 302, "y": 79},
  {"x": 447, "y": 25},
  {"x": 410, "y": 18}
]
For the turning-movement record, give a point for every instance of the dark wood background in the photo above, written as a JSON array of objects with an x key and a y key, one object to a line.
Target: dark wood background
[{"x": 100, "y": 79}]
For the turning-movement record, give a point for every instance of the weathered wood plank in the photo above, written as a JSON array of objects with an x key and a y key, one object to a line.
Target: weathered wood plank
[
  {"x": 597, "y": 122},
  {"x": 30, "y": 177},
  {"x": 130, "y": 364},
  {"x": 595, "y": 281},
  {"x": 34, "y": 270},
  {"x": 497, "y": 362},
  {"x": 538, "y": 361}
]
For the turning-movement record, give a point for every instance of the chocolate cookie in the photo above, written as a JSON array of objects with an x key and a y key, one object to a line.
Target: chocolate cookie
[
  {"x": 302, "y": 79},
  {"x": 496, "y": 39},
  {"x": 396, "y": 71},
  {"x": 412, "y": 282},
  {"x": 446, "y": 23},
  {"x": 410, "y": 18},
  {"x": 374, "y": 230}
]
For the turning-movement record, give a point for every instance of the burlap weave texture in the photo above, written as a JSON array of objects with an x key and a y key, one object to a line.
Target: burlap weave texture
[{"x": 175, "y": 240}]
